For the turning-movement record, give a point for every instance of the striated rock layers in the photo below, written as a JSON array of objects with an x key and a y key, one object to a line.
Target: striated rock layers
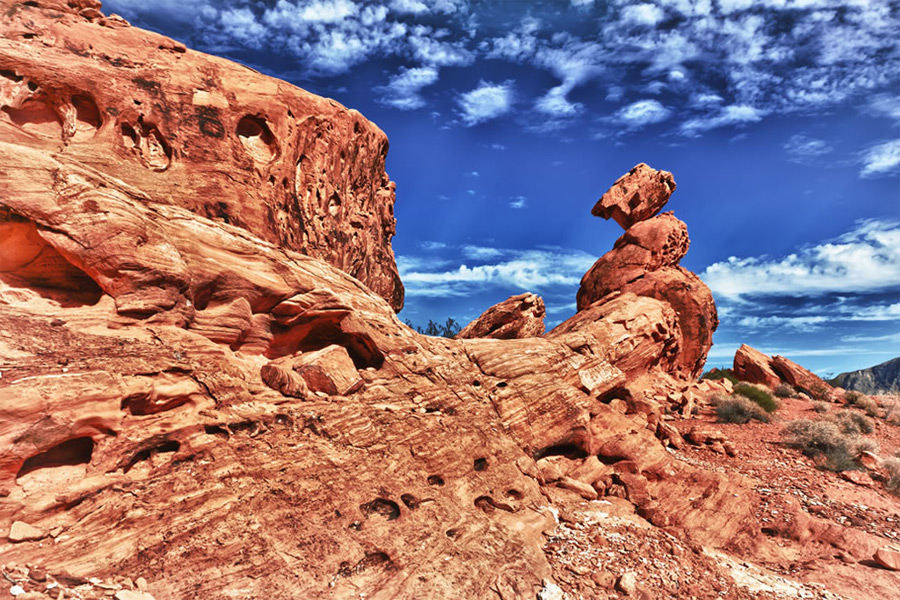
[
  {"x": 644, "y": 261},
  {"x": 200, "y": 132},
  {"x": 192, "y": 403},
  {"x": 520, "y": 316}
]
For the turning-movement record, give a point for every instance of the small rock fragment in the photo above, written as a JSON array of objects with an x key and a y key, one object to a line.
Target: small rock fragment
[
  {"x": 888, "y": 557},
  {"x": 627, "y": 583},
  {"x": 23, "y": 532}
]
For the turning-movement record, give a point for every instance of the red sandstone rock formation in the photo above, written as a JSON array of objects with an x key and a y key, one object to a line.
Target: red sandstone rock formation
[
  {"x": 196, "y": 405},
  {"x": 644, "y": 261},
  {"x": 202, "y": 133},
  {"x": 638, "y": 195},
  {"x": 753, "y": 366},
  {"x": 520, "y": 316}
]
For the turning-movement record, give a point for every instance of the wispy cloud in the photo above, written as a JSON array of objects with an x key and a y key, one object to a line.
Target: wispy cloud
[
  {"x": 881, "y": 159},
  {"x": 864, "y": 259},
  {"x": 804, "y": 149},
  {"x": 404, "y": 89},
  {"x": 518, "y": 202},
  {"x": 729, "y": 115},
  {"x": 643, "y": 112},
  {"x": 485, "y": 102}
]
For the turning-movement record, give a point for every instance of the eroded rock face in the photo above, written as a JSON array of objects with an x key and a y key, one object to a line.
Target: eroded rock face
[
  {"x": 644, "y": 261},
  {"x": 801, "y": 378},
  {"x": 205, "y": 134},
  {"x": 754, "y": 366},
  {"x": 638, "y": 195},
  {"x": 520, "y": 316}
]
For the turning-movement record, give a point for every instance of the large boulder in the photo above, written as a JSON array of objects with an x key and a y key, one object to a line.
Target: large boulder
[
  {"x": 202, "y": 133},
  {"x": 753, "y": 366},
  {"x": 520, "y": 316},
  {"x": 801, "y": 378},
  {"x": 638, "y": 195}
]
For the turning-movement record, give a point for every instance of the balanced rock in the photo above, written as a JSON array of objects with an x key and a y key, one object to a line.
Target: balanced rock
[
  {"x": 753, "y": 366},
  {"x": 635, "y": 196},
  {"x": 520, "y": 316}
]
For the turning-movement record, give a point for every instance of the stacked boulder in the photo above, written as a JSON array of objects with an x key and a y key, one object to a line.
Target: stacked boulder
[
  {"x": 753, "y": 366},
  {"x": 644, "y": 261}
]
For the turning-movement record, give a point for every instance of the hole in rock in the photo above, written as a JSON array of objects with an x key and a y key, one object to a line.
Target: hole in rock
[
  {"x": 502, "y": 384},
  {"x": 320, "y": 332},
  {"x": 146, "y": 141},
  {"x": 36, "y": 117},
  {"x": 450, "y": 533},
  {"x": 87, "y": 116},
  {"x": 243, "y": 426},
  {"x": 480, "y": 464},
  {"x": 570, "y": 451},
  {"x": 476, "y": 383},
  {"x": 215, "y": 430},
  {"x": 388, "y": 509},
  {"x": 369, "y": 561},
  {"x": 32, "y": 86},
  {"x": 257, "y": 138},
  {"x": 334, "y": 205},
  {"x": 28, "y": 260},
  {"x": 515, "y": 494},
  {"x": 31, "y": 3},
  {"x": 485, "y": 503},
  {"x": 435, "y": 480},
  {"x": 410, "y": 501},
  {"x": 76, "y": 451},
  {"x": 283, "y": 419},
  {"x": 12, "y": 75},
  {"x": 146, "y": 453}
]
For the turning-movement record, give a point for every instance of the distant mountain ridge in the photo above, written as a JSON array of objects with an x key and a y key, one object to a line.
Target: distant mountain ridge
[{"x": 878, "y": 379}]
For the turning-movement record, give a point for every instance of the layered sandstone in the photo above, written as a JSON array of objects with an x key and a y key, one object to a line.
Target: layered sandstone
[
  {"x": 519, "y": 316},
  {"x": 201, "y": 133},
  {"x": 754, "y": 366}
]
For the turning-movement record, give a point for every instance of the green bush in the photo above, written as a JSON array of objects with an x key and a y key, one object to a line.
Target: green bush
[
  {"x": 824, "y": 442},
  {"x": 762, "y": 398},
  {"x": 785, "y": 391},
  {"x": 737, "y": 409},
  {"x": 721, "y": 374},
  {"x": 448, "y": 330}
]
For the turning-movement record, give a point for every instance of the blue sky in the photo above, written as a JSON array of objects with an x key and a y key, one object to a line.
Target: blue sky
[{"x": 780, "y": 120}]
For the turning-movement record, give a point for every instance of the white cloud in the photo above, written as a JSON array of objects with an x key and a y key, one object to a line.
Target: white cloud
[
  {"x": 403, "y": 90},
  {"x": 791, "y": 323},
  {"x": 882, "y": 159},
  {"x": 554, "y": 103},
  {"x": 729, "y": 115},
  {"x": 487, "y": 101},
  {"x": 864, "y": 259},
  {"x": 518, "y": 202},
  {"x": 516, "y": 269},
  {"x": 409, "y": 6},
  {"x": 643, "y": 112},
  {"x": 642, "y": 14}
]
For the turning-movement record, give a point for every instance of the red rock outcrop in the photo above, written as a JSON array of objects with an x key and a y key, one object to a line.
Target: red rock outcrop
[
  {"x": 211, "y": 413},
  {"x": 644, "y": 261},
  {"x": 638, "y": 195},
  {"x": 520, "y": 316},
  {"x": 753, "y": 366},
  {"x": 202, "y": 133}
]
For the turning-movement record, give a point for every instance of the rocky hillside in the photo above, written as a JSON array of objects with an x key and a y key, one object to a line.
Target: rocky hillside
[
  {"x": 880, "y": 379},
  {"x": 206, "y": 393}
]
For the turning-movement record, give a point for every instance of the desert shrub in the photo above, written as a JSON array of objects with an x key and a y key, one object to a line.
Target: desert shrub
[
  {"x": 820, "y": 391},
  {"x": 738, "y": 409},
  {"x": 721, "y": 374},
  {"x": 824, "y": 442},
  {"x": 868, "y": 405},
  {"x": 785, "y": 391},
  {"x": 821, "y": 407},
  {"x": 852, "y": 423},
  {"x": 761, "y": 397},
  {"x": 892, "y": 413},
  {"x": 850, "y": 397},
  {"x": 892, "y": 481}
]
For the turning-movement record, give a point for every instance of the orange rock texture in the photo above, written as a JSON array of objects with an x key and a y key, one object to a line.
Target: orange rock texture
[
  {"x": 202, "y": 133},
  {"x": 204, "y": 386}
]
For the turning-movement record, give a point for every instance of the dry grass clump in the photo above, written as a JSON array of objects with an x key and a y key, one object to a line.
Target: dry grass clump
[
  {"x": 891, "y": 412},
  {"x": 892, "y": 481},
  {"x": 738, "y": 409},
  {"x": 868, "y": 405},
  {"x": 785, "y": 391},
  {"x": 851, "y": 423},
  {"x": 821, "y": 407},
  {"x": 826, "y": 443}
]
